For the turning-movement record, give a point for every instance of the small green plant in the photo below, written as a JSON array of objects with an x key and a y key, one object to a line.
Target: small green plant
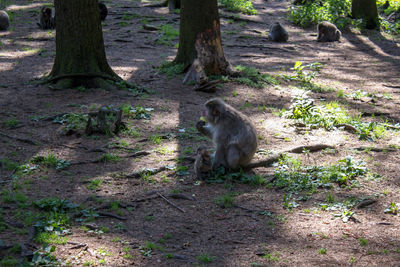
[
  {"x": 8, "y": 164},
  {"x": 112, "y": 158},
  {"x": 363, "y": 241},
  {"x": 136, "y": 112},
  {"x": 226, "y": 200},
  {"x": 393, "y": 208},
  {"x": 148, "y": 248},
  {"x": 252, "y": 77},
  {"x": 304, "y": 74},
  {"x": 51, "y": 160},
  {"x": 10, "y": 123},
  {"x": 171, "y": 69},
  {"x": 322, "y": 251},
  {"x": 155, "y": 139},
  {"x": 72, "y": 121},
  {"x": 94, "y": 184},
  {"x": 205, "y": 258},
  {"x": 169, "y": 33},
  {"x": 272, "y": 256},
  {"x": 242, "y": 6}
]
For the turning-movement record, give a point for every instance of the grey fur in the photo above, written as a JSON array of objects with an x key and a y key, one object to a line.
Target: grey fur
[
  {"x": 277, "y": 33},
  {"x": 202, "y": 164},
  {"x": 327, "y": 32},
  {"x": 233, "y": 134},
  {"x": 4, "y": 20}
]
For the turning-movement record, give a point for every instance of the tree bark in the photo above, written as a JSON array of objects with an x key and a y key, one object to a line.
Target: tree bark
[
  {"x": 366, "y": 10},
  {"x": 200, "y": 45},
  {"x": 80, "y": 54}
]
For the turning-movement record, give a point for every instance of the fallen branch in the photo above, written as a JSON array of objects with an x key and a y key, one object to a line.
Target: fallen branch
[
  {"x": 137, "y": 154},
  {"x": 238, "y": 18},
  {"x": 275, "y": 158},
  {"x": 138, "y": 174},
  {"x": 347, "y": 127},
  {"x": 261, "y": 46},
  {"x": 169, "y": 202},
  {"x": 374, "y": 149},
  {"x": 311, "y": 148},
  {"x": 365, "y": 203},
  {"x": 28, "y": 141},
  {"x": 391, "y": 86},
  {"x": 111, "y": 215}
]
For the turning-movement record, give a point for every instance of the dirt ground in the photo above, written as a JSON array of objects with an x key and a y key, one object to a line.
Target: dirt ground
[{"x": 257, "y": 230}]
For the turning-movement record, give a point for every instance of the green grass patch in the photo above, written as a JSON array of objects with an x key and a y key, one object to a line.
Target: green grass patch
[
  {"x": 242, "y": 6},
  {"x": 168, "y": 34},
  {"x": 171, "y": 69},
  {"x": 252, "y": 77}
]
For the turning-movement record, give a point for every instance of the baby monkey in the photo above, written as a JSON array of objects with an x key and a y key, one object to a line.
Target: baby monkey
[
  {"x": 327, "y": 32},
  {"x": 277, "y": 33},
  {"x": 202, "y": 164}
]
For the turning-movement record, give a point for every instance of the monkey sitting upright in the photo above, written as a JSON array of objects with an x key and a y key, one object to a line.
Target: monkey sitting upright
[
  {"x": 277, "y": 33},
  {"x": 327, "y": 32},
  {"x": 233, "y": 134},
  {"x": 46, "y": 21},
  {"x": 202, "y": 164}
]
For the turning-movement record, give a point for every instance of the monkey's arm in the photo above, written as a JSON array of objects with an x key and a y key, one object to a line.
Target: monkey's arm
[{"x": 204, "y": 128}]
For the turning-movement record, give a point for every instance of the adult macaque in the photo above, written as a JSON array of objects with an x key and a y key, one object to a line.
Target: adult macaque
[
  {"x": 4, "y": 20},
  {"x": 277, "y": 33},
  {"x": 103, "y": 11},
  {"x": 46, "y": 21},
  {"x": 233, "y": 134},
  {"x": 202, "y": 164},
  {"x": 327, "y": 32}
]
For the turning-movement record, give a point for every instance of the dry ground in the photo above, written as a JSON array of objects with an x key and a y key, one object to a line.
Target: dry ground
[{"x": 236, "y": 236}]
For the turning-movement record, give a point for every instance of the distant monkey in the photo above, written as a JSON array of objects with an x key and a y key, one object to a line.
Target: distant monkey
[
  {"x": 233, "y": 134},
  {"x": 202, "y": 164},
  {"x": 103, "y": 11},
  {"x": 277, "y": 33},
  {"x": 46, "y": 21},
  {"x": 327, "y": 32},
  {"x": 4, "y": 20}
]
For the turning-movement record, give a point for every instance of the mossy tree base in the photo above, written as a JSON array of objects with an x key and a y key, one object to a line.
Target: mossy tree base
[
  {"x": 80, "y": 54},
  {"x": 200, "y": 45},
  {"x": 210, "y": 58}
]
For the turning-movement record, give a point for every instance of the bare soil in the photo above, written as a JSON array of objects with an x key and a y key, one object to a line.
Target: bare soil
[{"x": 237, "y": 236}]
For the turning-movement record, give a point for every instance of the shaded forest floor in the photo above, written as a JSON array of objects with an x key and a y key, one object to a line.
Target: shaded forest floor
[{"x": 271, "y": 221}]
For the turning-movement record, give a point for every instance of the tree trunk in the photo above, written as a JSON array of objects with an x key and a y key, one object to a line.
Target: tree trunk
[
  {"x": 80, "y": 55},
  {"x": 366, "y": 10},
  {"x": 200, "y": 45}
]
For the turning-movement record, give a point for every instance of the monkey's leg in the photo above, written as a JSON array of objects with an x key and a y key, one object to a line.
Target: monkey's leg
[
  {"x": 233, "y": 157},
  {"x": 219, "y": 158}
]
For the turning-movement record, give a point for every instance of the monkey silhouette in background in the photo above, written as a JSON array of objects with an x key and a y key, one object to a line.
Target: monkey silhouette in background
[
  {"x": 4, "y": 20},
  {"x": 233, "y": 134},
  {"x": 46, "y": 20},
  {"x": 202, "y": 164},
  {"x": 277, "y": 33},
  {"x": 103, "y": 11},
  {"x": 327, "y": 32}
]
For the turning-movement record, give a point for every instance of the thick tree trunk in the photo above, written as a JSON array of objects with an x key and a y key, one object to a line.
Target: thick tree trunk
[
  {"x": 366, "y": 10},
  {"x": 80, "y": 55},
  {"x": 200, "y": 45}
]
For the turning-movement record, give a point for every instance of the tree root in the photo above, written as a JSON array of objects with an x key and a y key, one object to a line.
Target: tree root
[
  {"x": 28, "y": 141},
  {"x": 275, "y": 158}
]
